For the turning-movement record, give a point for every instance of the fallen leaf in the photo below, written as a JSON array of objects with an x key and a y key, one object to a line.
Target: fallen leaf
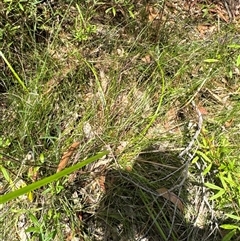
[
  {"x": 218, "y": 11},
  {"x": 67, "y": 155},
  {"x": 128, "y": 168},
  {"x": 228, "y": 123},
  {"x": 170, "y": 196},
  {"x": 147, "y": 59},
  {"x": 101, "y": 182},
  {"x": 153, "y": 13},
  {"x": 104, "y": 80},
  {"x": 202, "y": 28},
  {"x": 202, "y": 110}
]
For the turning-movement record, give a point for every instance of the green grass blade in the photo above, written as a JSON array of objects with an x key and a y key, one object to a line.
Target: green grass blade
[
  {"x": 153, "y": 216},
  {"x": 13, "y": 71},
  {"x": 54, "y": 177},
  {"x": 154, "y": 117}
]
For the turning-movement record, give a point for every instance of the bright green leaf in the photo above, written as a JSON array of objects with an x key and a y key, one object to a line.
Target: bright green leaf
[
  {"x": 204, "y": 156},
  {"x": 229, "y": 226},
  {"x": 33, "y": 230},
  {"x": 131, "y": 14},
  {"x": 30, "y": 196},
  {"x": 6, "y": 175},
  {"x": 13, "y": 71},
  {"x": 212, "y": 186},
  {"x": 52, "y": 178},
  {"x": 205, "y": 143},
  {"x": 207, "y": 169},
  {"x": 41, "y": 157},
  {"x": 34, "y": 220},
  {"x": 224, "y": 184},
  {"x": 233, "y": 216},
  {"x": 238, "y": 61},
  {"x": 195, "y": 159},
  {"x": 234, "y": 46},
  {"x": 229, "y": 180},
  {"x": 229, "y": 235},
  {"x": 217, "y": 195},
  {"x": 210, "y": 60},
  {"x": 21, "y": 6}
]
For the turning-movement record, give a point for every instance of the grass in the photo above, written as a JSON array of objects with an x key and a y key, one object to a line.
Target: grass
[{"x": 103, "y": 75}]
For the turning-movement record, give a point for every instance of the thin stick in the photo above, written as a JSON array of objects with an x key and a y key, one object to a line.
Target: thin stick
[{"x": 194, "y": 138}]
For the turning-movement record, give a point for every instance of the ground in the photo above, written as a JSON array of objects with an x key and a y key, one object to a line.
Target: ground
[{"x": 155, "y": 84}]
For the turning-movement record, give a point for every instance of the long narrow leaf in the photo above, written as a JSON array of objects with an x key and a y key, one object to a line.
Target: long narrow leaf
[
  {"x": 233, "y": 217},
  {"x": 13, "y": 71},
  {"x": 204, "y": 156},
  {"x": 40, "y": 183},
  {"x": 217, "y": 195},
  {"x": 212, "y": 186},
  {"x": 229, "y": 235}
]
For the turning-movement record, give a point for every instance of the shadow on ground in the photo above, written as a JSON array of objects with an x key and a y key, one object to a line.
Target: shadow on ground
[{"x": 132, "y": 210}]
